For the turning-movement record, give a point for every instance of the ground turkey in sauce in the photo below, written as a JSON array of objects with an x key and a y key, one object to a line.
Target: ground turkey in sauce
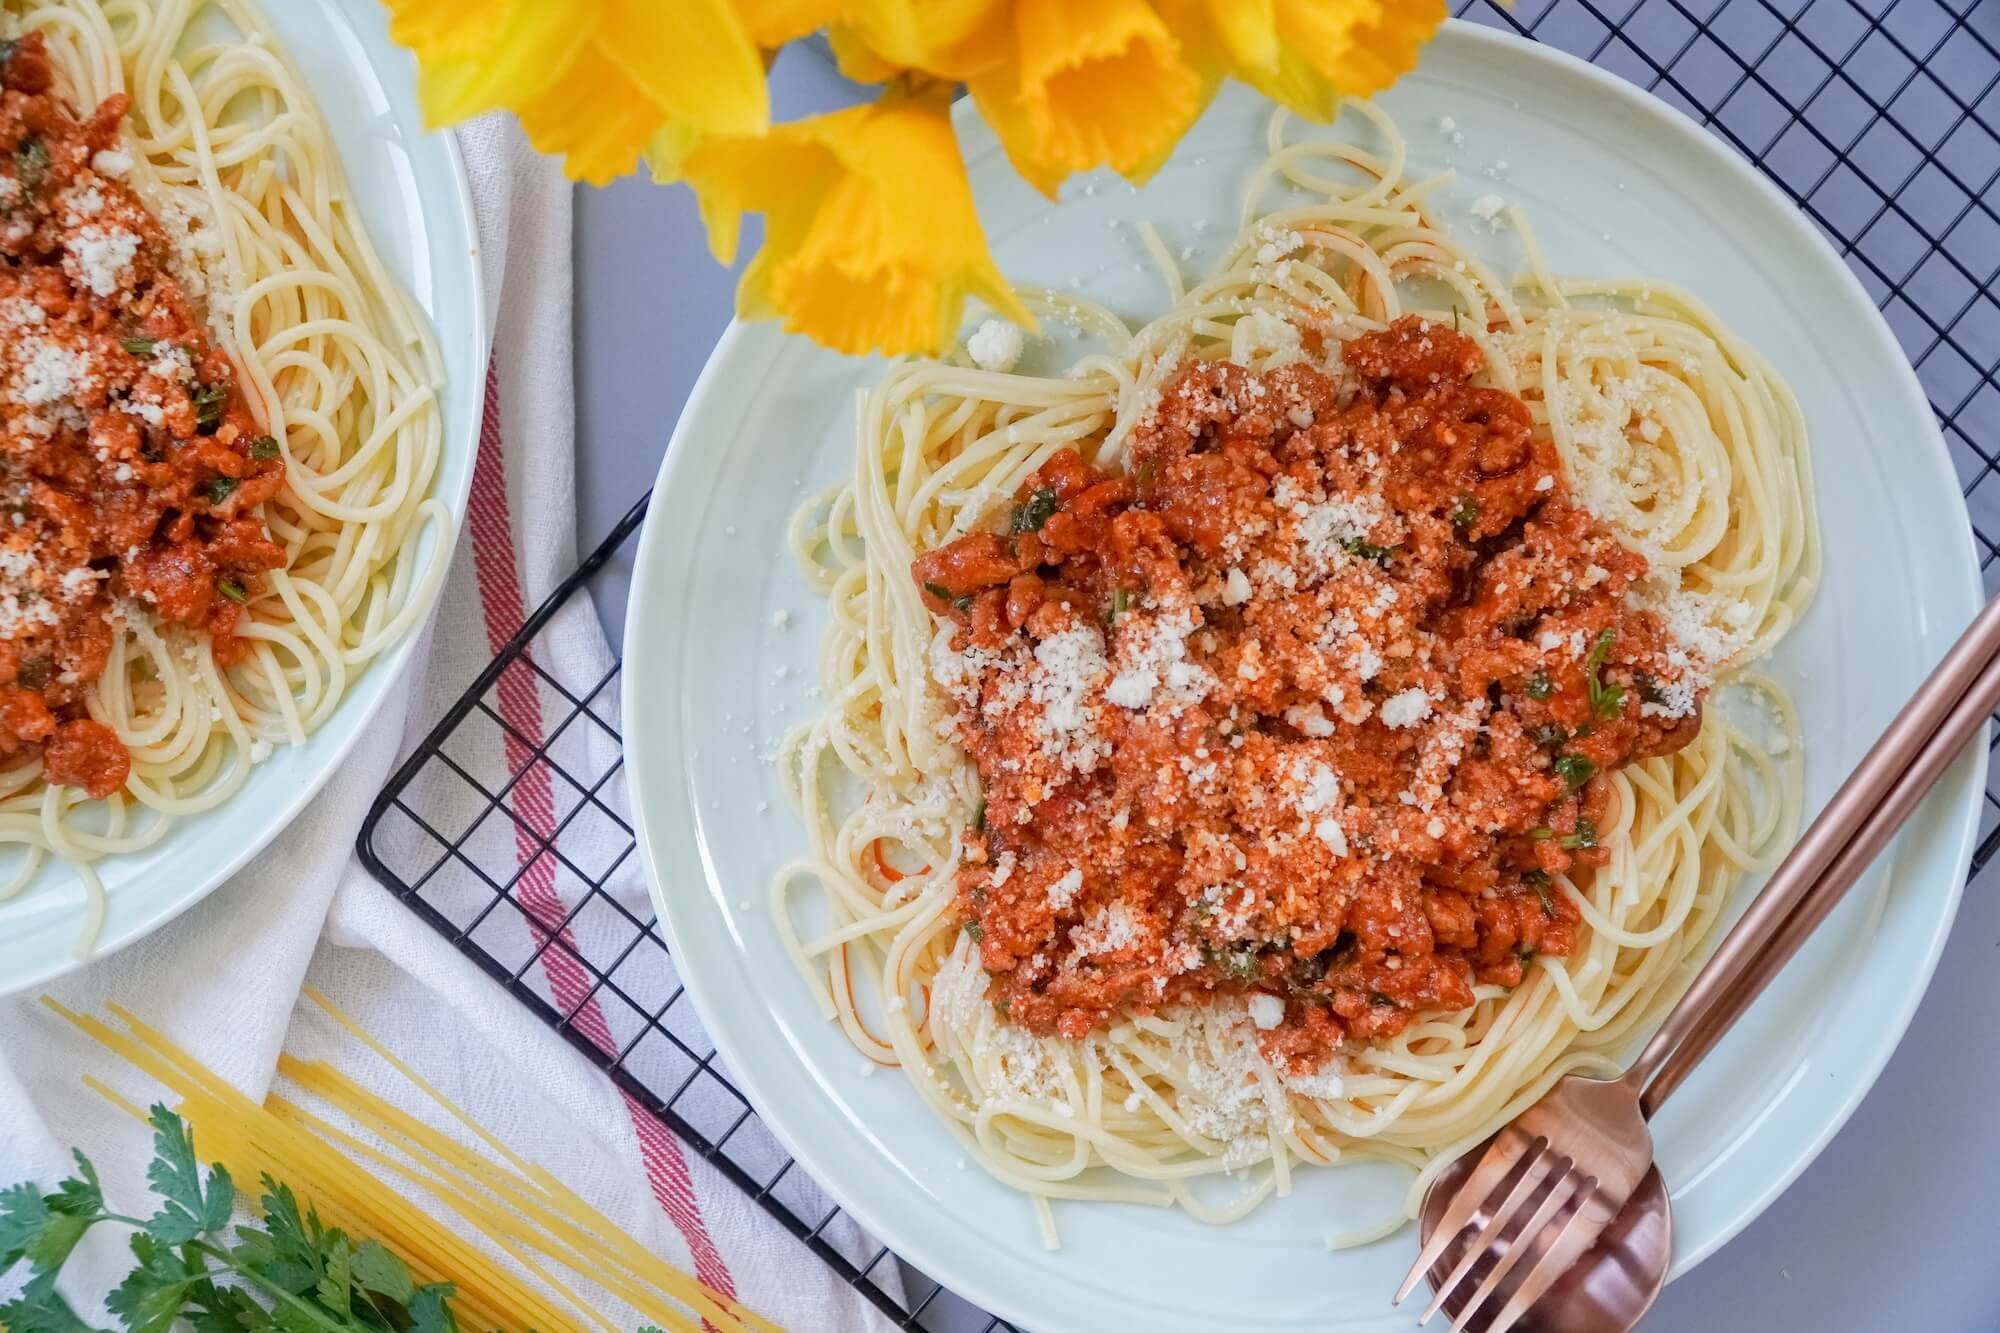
[
  {"x": 131, "y": 468},
  {"x": 1309, "y": 702}
]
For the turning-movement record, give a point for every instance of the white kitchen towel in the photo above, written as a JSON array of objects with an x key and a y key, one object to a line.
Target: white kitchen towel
[{"x": 225, "y": 979}]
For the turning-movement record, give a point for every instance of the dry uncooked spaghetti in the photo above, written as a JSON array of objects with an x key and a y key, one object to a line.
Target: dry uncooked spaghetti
[{"x": 338, "y": 1145}]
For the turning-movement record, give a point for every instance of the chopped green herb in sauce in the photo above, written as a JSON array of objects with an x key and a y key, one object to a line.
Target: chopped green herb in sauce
[
  {"x": 1584, "y": 838},
  {"x": 31, "y": 165},
  {"x": 1033, "y": 512},
  {"x": 208, "y": 400},
  {"x": 1574, "y": 769}
]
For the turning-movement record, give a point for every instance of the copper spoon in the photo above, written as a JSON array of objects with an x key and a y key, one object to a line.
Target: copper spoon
[{"x": 1607, "y": 1250}]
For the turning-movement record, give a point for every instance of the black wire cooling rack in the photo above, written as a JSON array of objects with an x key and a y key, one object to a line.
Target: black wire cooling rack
[{"x": 1879, "y": 118}]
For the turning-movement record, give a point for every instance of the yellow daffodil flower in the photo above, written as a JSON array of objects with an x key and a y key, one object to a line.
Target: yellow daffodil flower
[
  {"x": 1088, "y": 83},
  {"x": 1307, "y": 54},
  {"x": 871, "y": 242},
  {"x": 591, "y": 80}
]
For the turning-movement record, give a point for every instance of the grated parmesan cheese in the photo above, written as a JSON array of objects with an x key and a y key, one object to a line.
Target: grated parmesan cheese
[
  {"x": 996, "y": 345},
  {"x": 1406, "y": 709}
]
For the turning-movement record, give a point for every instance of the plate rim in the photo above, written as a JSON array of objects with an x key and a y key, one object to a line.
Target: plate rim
[
  {"x": 461, "y": 228},
  {"x": 1960, "y": 825}
]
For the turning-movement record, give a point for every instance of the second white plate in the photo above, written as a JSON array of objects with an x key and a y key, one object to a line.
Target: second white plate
[{"x": 410, "y": 187}]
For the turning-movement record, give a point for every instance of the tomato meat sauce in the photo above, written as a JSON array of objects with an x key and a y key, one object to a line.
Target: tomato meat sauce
[
  {"x": 1308, "y": 706},
  {"x": 131, "y": 465}
]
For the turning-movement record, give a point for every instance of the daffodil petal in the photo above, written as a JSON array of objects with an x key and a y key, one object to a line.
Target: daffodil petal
[
  {"x": 447, "y": 29},
  {"x": 528, "y": 52},
  {"x": 1101, "y": 82},
  {"x": 668, "y": 150},
  {"x": 732, "y": 177},
  {"x": 593, "y": 117},
  {"x": 772, "y": 23},
  {"x": 1363, "y": 46},
  {"x": 1248, "y": 30},
  {"x": 858, "y": 61},
  {"x": 941, "y": 37},
  {"x": 692, "y": 59},
  {"x": 1294, "y": 84},
  {"x": 871, "y": 238},
  {"x": 997, "y": 95}
]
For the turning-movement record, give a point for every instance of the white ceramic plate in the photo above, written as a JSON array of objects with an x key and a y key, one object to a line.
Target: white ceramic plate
[
  {"x": 412, "y": 191},
  {"x": 1613, "y": 181}
]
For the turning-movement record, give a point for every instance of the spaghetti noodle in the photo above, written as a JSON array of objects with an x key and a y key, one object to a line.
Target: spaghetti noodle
[
  {"x": 288, "y": 557},
  {"x": 1666, "y": 433}
]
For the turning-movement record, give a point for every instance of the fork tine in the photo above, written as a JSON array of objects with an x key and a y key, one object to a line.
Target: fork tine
[
  {"x": 1577, "y": 1234},
  {"x": 1481, "y": 1243},
  {"x": 1561, "y": 1189},
  {"x": 1500, "y": 1159}
]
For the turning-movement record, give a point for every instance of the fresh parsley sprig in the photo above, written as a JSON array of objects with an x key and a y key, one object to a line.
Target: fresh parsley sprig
[{"x": 294, "y": 1274}]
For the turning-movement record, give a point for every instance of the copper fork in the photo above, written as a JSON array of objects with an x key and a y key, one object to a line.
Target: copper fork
[{"x": 1551, "y": 1180}]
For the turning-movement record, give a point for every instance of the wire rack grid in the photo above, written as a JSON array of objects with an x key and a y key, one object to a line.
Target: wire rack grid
[{"x": 1880, "y": 119}]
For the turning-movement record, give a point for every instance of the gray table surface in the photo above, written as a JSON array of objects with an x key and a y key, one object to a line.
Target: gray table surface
[{"x": 1893, "y": 1228}]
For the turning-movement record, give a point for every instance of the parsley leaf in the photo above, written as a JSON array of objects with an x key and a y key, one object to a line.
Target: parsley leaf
[
  {"x": 208, "y": 400},
  {"x": 23, "y": 1213},
  {"x": 190, "y": 1210},
  {"x": 1540, "y": 686},
  {"x": 31, "y": 165},
  {"x": 263, "y": 447},
  {"x": 150, "y": 1298},
  {"x": 59, "y": 1234},
  {"x": 231, "y": 589},
  {"x": 1033, "y": 512},
  {"x": 378, "y": 1271},
  {"x": 1583, "y": 838},
  {"x": 1119, "y": 602},
  {"x": 1367, "y": 550},
  {"x": 1465, "y": 513},
  {"x": 143, "y": 348},
  {"x": 40, "y": 1309},
  {"x": 1240, "y": 964},
  {"x": 976, "y": 931},
  {"x": 429, "y": 1313},
  {"x": 1539, "y": 882},
  {"x": 221, "y": 488},
  {"x": 1606, "y": 700},
  {"x": 1574, "y": 769}
]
